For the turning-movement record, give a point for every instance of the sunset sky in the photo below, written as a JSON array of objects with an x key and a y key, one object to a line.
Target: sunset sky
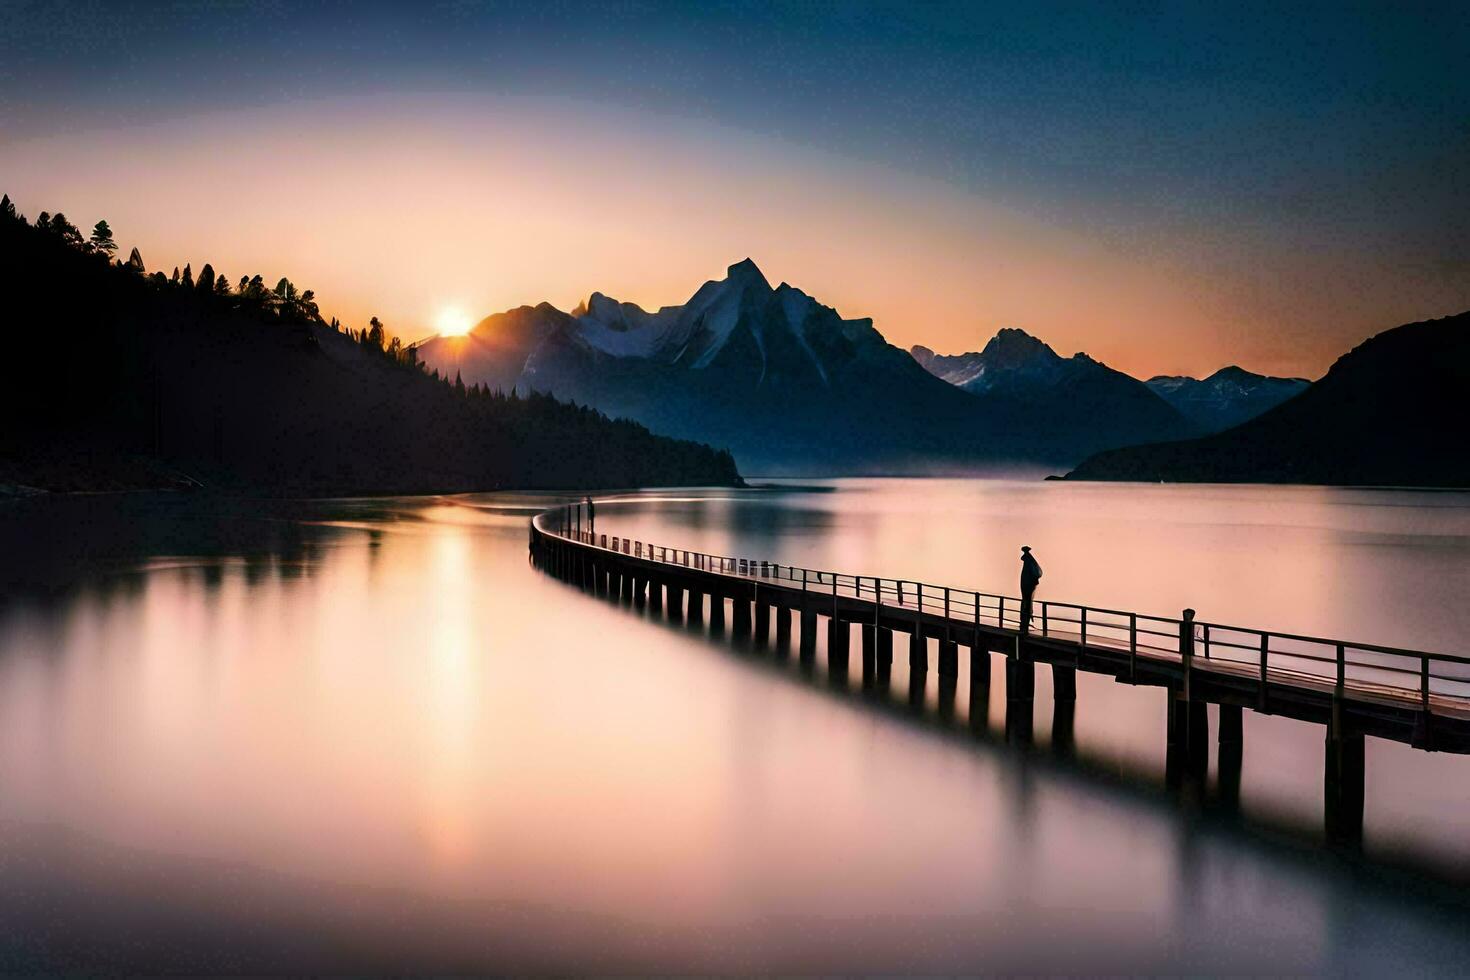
[{"x": 1168, "y": 186}]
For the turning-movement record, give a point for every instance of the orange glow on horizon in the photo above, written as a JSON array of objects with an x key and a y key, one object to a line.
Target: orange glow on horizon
[{"x": 391, "y": 204}]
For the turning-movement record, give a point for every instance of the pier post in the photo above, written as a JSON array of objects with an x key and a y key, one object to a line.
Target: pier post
[
  {"x": 883, "y": 665},
  {"x": 696, "y": 606},
  {"x": 918, "y": 650},
  {"x": 1187, "y": 759},
  {"x": 979, "y": 680},
  {"x": 1232, "y": 751},
  {"x": 1063, "y": 718},
  {"x": 1343, "y": 784},
  {"x": 1020, "y": 696},
  {"x": 676, "y": 602},
  {"x": 808, "y": 629},
  {"x": 918, "y": 685},
  {"x": 740, "y": 609},
  {"x": 948, "y": 685},
  {"x": 808, "y": 637},
  {"x": 1020, "y": 675},
  {"x": 762, "y": 622},
  {"x": 1063, "y": 682},
  {"x": 870, "y": 653},
  {"x": 839, "y": 636},
  {"x": 656, "y": 595},
  {"x": 783, "y": 627},
  {"x": 639, "y": 585},
  {"x": 949, "y": 658},
  {"x": 716, "y": 612}
]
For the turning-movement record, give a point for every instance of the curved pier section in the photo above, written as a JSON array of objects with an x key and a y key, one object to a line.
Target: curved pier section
[{"x": 1352, "y": 689}]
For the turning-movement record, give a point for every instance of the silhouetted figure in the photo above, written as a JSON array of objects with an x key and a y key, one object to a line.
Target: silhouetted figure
[
  {"x": 1030, "y": 578},
  {"x": 591, "y": 517}
]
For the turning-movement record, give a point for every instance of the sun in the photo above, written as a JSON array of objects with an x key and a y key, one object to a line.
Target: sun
[{"x": 452, "y": 322}]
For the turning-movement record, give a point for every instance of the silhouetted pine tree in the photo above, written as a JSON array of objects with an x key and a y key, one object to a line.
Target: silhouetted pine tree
[
  {"x": 7, "y": 210},
  {"x": 206, "y": 279},
  {"x": 102, "y": 242},
  {"x": 135, "y": 261},
  {"x": 188, "y": 281}
]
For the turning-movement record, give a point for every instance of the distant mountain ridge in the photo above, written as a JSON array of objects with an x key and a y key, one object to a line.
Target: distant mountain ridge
[
  {"x": 1228, "y": 397},
  {"x": 1022, "y": 367},
  {"x": 789, "y": 384},
  {"x": 1388, "y": 413}
]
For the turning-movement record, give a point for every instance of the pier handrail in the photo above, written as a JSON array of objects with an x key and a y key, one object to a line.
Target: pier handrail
[{"x": 1368, "y": 665}]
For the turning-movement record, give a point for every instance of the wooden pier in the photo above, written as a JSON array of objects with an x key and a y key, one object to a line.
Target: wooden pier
[{"x": 1352, "y": 689}]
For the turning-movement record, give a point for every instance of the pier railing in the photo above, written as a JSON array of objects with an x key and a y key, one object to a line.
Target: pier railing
[{"x": 1357, "y": 670}]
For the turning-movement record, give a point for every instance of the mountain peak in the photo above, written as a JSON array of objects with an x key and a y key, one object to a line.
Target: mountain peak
[
  {"x": 746, "y": 272},
  {"x": 1012, "y": 347},
  {"x": 1233, "y": 372}
]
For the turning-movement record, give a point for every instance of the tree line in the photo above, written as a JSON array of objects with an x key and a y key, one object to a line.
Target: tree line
[
  {"x": 284, "y": 303},
  {"x": 157, "y": 374}
]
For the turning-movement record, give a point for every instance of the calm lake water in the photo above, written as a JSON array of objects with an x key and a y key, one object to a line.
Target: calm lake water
[{"x": 367, "y": 735}]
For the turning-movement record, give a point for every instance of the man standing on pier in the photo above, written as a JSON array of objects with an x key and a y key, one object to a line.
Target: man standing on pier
[
  {"x": 591, "y": 517},
  {"x": 1030, "y": 577}
]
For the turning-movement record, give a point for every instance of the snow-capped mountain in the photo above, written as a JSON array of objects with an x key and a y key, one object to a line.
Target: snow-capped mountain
[
  {"x": 786, "y": 383},
  {"x": 1226, "y": 398}
]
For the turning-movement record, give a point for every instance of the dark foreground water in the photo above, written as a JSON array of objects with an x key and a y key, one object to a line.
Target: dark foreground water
[{"x": 366, "y": 735}]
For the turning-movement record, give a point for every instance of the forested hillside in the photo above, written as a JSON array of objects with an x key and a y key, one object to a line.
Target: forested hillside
[{"x": 119, "y": 379}]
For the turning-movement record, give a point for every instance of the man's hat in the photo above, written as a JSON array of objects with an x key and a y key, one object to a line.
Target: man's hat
[{"x": 1025, "y": 547}]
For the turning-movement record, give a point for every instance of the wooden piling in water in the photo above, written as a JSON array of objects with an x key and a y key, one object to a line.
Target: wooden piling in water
[
  {"x": 979, "y": 675},
  {"x": 808, "y": 634},
  {"x": 949, "y": 658},
  {"x": 1231, "y": 740},
  {"x": 918, "y": 650},
  {"x": 1063, "y": 682},
  {"x": 1343, "y": 782},
  {"x": 839, "y": 635},
  {"x": 740, "y": 610},
  {"x": 1187, "y": 757},
  {"x": 885, "y": 648}
]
